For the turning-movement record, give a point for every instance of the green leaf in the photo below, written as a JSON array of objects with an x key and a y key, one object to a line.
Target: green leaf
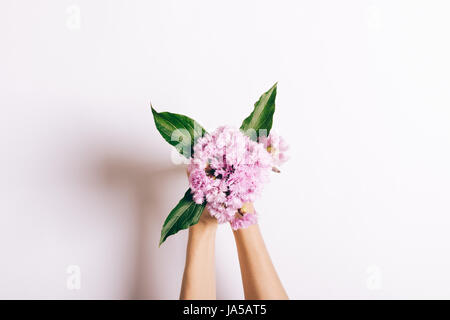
[
  {"x": 178, "y": 130},
  {"x": 261, "y": 116},
  {"x": 185, "y": 214}
]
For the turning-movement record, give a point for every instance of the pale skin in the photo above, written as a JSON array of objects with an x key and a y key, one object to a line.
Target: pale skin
[
  {"x": 199, "y": 277},
  {"x": 259, "y": 277}
]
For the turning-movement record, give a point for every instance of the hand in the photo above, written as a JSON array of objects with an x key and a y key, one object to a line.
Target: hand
[
  {"x": 244, "y": 217},
  {"x": 246, "y": 208},
  {"x": 207, "y": 220}
]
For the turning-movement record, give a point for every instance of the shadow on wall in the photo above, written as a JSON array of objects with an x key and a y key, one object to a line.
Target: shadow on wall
[
  {"x": 154, "y": 189},
  {"x": 157, "y": 271}
]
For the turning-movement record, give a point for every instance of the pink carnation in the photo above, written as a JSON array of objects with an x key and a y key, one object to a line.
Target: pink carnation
[
  {"x": 276, "y": 146},
  {"x": 229, "y": 169}
]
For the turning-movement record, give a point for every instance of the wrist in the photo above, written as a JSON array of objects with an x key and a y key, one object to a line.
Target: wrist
[
  {"x": 250, "y": 229},
  {"x": 204, "y": 227}
]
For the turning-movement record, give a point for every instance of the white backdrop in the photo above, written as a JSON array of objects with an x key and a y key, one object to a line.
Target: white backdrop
[{"x": 360, "y": 211}]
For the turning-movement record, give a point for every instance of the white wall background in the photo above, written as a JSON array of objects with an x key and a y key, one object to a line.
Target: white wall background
[{"x": 362, "y": 209}]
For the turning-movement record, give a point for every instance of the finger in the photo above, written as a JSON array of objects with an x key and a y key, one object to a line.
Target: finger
[{"x": 246, "y": 208}]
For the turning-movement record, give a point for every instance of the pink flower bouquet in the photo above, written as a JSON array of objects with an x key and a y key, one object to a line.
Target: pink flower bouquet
[{"x": 227, "y": 167}]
